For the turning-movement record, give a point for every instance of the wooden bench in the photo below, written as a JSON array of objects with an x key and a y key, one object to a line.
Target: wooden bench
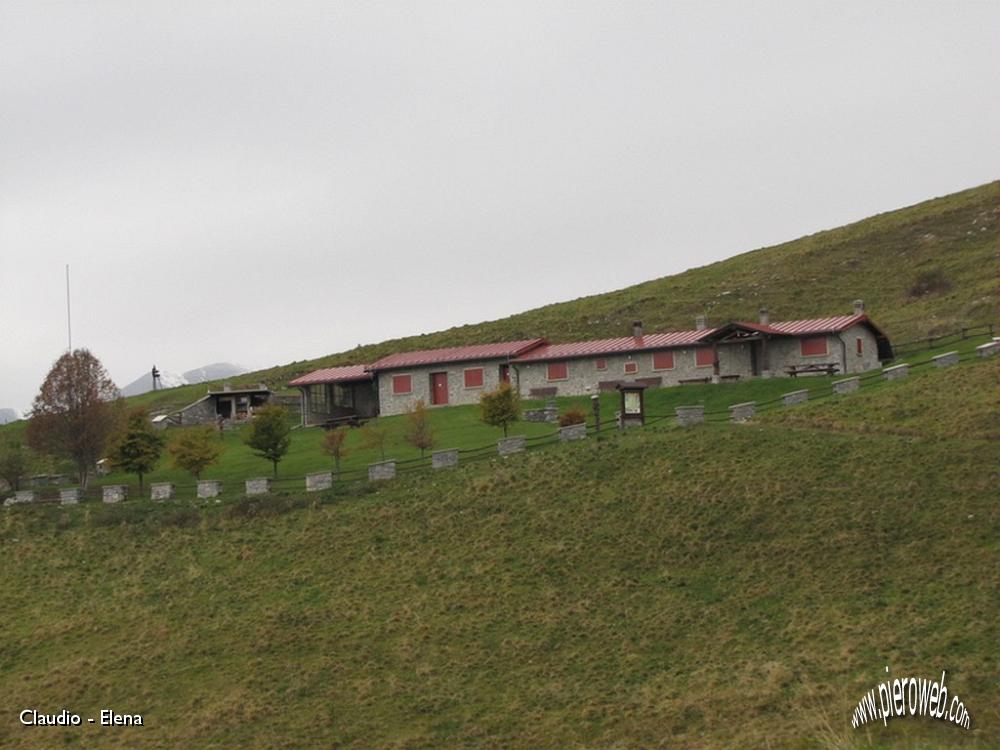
[
  {"x": 694, "y": 381},
  {"x": 812, "y": 368}
]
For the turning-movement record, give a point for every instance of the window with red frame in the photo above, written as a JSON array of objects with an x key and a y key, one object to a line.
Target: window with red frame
[
  {"x": 704, "y": 357},
  {"x": 813, "y": 347},
  {"x": 474, "y": 377},
  {"x": 859, "y": 346},
  {"x": 631, "y": 367},
  {"x": 558, "y": 371},
  {"x": 663, "y": 360},
  {"x": 601, "y": 364},
  {"x": 401, "y": 384}
]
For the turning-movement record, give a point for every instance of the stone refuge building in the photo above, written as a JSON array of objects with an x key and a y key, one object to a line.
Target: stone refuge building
[
  {"x": 229, "y": 404},
  {"x": 840, "y": 344},
  {"x": 734, "y": 351}
]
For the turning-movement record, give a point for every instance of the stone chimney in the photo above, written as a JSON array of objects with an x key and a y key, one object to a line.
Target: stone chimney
[
  {"x": 700, "y": 323},
  {"x": 859, "y": 307},
  {"x": 637, "y": 329},
  {"x": 765, "y": 317}
]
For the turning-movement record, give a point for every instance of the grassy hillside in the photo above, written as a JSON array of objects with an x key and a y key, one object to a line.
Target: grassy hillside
[
  {"x": 721, "y": 586},
  {"x": 460, "y": 427},
  {"x": 922, "y": 270}
]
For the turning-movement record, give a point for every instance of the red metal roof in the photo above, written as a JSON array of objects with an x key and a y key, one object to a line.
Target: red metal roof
[
  {"x": 813, "y": 325},
  {"x": 334, "y": 375},
  {"x": 614, "y": 346},
  {"x": 500, "y": 350}
]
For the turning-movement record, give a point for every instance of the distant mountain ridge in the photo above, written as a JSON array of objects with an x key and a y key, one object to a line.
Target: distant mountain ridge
[
  {"x": 9, "y": 415},
  {"x": 214, "y": 371}
]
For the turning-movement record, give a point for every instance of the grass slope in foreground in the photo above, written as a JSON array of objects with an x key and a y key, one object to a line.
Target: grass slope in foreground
[{"x": 723, "y": 586}]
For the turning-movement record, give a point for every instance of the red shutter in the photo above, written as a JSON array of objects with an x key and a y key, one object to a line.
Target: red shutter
[
  {"x": 631, "y": 367},
  {"x": 663, "y": 360},
  {"x": 401, "y": 384},
  {"x": 474, "y": 378},
  {"x": 813, "y": 347},
  {"x": 704, "y": 357},
  {"x": 601, "y": 364},
  {"x": 558, "y": 371},
  {"x": 859, "y": 344}
]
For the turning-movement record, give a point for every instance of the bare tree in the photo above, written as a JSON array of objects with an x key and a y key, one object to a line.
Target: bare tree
[{"x": 76, "y": 412}]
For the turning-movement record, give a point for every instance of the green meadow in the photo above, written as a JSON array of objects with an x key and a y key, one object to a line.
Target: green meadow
[{"x": 720, "y": 586}]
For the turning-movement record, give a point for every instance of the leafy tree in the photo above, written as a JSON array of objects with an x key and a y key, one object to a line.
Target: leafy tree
[
  {"x": 76, "y": 412},
  {"x": 333, "y": 445},
  {"x": 139, "y": 447},
  {"x": 269, "y": 434},
  {"x": 419, "y": 432},
  {"x": 375, "y": 438},
  {"x": 501, "y": 407},
  {"x": 13, "y": 463},
  {"x": 195, "y": 449}
]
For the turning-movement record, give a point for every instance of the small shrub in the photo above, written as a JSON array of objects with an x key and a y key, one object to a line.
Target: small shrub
[
  {"x": 931, "y": 281},
  {"x": 572, "y": 416}
]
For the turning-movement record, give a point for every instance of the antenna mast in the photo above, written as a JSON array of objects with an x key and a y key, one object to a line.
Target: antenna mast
[{"x": 69, "y": 320}]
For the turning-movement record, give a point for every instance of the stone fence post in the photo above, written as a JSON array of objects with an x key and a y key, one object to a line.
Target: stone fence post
[
  {"x": 945, "y": 360},
  {"x": 319, "y": 481},
  {"x": 114, "y": 493},
  {"x": 209, "y": 488},
  {"x": 840, "y": 387},
  {"x": 257, "y": 486},
  {"x": 896, "y": 372},
  {"x": 573, "y": 432},
  {"x": 742, "y": 412},
  {"x": 508, "y": 445},
  {"x": 70, "y": 496},
  {"x": 444, "y": 459},
  {"x": 689, "y": 415},
  {"x": 795, "y": 397},
  {"x": 381, "y": 471},
  {"x": 988, "y": 349},
  {"x": 161, "y": 491}
]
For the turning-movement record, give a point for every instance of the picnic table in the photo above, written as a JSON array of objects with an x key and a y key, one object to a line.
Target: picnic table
[{"x": 812, "y": 368}]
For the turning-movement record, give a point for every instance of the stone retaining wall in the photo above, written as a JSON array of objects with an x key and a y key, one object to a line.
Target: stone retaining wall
[
  {"x": 444, "y": 459},
  {"x": 689, "y": 415},
  {"x": 24, "y": 496},
  {"x": 988, "y": 349},
  {"x": 546, "y": 414}
]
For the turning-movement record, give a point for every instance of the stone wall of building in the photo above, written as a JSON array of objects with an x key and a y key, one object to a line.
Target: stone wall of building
[
  {"x": 841, "y": 349},
  {"x": 420, "y": 379},
  {"x": 583, "y": 376}
]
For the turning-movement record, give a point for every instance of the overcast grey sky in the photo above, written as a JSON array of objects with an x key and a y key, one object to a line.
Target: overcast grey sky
[{"x": 262, "y": 182}]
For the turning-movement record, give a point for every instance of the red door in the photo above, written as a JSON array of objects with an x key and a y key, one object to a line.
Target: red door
[{"x": 439, "y": 388}]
